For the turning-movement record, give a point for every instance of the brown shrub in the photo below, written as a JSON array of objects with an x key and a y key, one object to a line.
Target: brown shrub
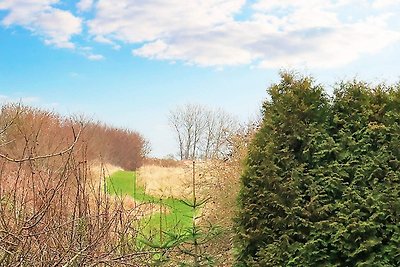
[
  {"x": 52, "y": 212},
  {"x": 41, "y": 131},
  {"x": 222, "y": 190}
]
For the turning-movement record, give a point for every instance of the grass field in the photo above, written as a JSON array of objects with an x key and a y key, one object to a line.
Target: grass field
[{"x": 173, "y": 215}]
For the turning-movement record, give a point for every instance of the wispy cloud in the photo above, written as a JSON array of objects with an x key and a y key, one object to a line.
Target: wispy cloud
[
  {"x": 384, "y": 3},
  {"x": 56, "y": 26},
  {"x": 73, "y": 74},
  {"x": 95, "y": 57},
  {"x": 84, "y": 5},
  {"x": 87, "y": 52}
]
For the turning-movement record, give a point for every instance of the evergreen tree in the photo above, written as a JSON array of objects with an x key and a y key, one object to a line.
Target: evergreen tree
[{"x": 321, "y": 184}]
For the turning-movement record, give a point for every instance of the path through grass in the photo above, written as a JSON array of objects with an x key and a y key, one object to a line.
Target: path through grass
[{"x": 177, "y": 218}]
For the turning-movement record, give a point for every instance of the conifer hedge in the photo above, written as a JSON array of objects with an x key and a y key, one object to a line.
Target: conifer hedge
[{"x": 321, "y": 185}]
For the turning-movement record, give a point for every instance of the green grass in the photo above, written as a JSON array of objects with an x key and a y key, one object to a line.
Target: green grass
[
  {"x": 177, "y": 219},
  {"x": 123, "y": 183}
]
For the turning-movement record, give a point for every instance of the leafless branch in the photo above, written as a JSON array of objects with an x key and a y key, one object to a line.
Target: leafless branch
[{"x": 60, "y": 153}]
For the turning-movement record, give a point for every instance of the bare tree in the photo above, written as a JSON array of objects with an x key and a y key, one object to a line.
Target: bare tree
[
  {"x": 201, "y": 132},
  {"x": 219, "y": 126},
  {"x": 188, "y": 123}
]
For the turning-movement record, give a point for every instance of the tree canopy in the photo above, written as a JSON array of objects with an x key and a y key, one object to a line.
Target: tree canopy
[{"x": 321, "y": 186}]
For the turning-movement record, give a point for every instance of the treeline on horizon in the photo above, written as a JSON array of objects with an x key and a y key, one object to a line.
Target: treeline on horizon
[{"x": 32, "y": 132}]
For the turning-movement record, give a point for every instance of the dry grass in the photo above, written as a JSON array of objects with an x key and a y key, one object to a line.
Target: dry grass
[
  {"x": 163, "y": 162},
  {"x": 174, "y": 182},
  {"x": 165, "y": 181}
]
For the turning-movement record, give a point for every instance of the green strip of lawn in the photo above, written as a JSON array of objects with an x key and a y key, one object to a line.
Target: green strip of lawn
[{"x": 176, "y": 219}]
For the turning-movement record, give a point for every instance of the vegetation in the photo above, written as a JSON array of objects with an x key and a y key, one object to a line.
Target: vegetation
[
  {"x": 51, "y": 132},
  {"x": 176, "y": 215},
  {"x": 222, "y": 191},
  {"x": 322, "y": 181},
  {"x": 318, "y": 182},
  {"x": 173, "y": 227},
  {"x": 202, "y": 133},
  {"x": 53, "y": 211}
]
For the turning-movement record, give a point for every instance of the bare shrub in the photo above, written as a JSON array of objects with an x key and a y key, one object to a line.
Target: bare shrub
[
  {"x": 52, "y": 213},
  {"x": 121, "y": 147},
  {"x": 222, "y": 188}
]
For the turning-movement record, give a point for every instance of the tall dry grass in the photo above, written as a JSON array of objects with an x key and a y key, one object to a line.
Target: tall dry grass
[
  {"x": 176, "y": 182},
  {"x": 164, "y": 181}
]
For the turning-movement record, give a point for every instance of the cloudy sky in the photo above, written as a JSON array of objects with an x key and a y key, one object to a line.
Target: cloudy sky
[{"x": 128, "y": 62}]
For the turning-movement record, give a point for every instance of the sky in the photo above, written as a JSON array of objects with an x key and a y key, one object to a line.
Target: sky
[{"x": 129, "y": 62}]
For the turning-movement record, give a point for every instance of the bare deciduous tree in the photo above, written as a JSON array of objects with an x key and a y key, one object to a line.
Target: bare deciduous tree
[{"x": 201, "y": 132}]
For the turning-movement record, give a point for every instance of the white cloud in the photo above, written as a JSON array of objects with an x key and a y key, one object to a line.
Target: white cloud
[
  {"x": 214, "y": 48},
  {"x": 385, "y": 3},
  {"x": 95, "y": 57},
  {"x": 58, "y": 26},
  {"x": 276, "y": 33},
  {"x": 269, "y": 33},
  {"x": 87, "y": 51},
  {"x": 104, "y": 40},
  {"x": 55, "y": 25},
  {"x": 139, "y": 21},
  {"x": 318, "y": 44},
  {"x": 84, "y": 5}
]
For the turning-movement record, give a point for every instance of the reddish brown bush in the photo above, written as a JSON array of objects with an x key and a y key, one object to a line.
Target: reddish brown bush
[
  {"x": 120, "y": 147},
  {"x": 51, "y": 132},
  {"x": 52, "y": 213}
]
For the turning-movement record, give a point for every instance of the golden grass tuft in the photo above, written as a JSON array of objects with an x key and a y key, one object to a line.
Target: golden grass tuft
[
  {"x": 165, "y": 181},
  {"x": 176, "y": 181}
]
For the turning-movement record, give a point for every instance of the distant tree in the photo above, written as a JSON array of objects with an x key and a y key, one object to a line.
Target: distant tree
[
  {"x": 189, "y": 123},
  {"x": 321, "y": 185},
  {"x": 121, "y": 147},
  {"x": 201, "y": 132}
]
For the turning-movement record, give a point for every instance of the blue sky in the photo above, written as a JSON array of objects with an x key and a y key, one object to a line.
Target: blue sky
[{"x": 129, "y": 62}]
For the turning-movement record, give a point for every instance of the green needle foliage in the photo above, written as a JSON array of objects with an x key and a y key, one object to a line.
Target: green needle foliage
[{"x": 321, "y": 185}]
